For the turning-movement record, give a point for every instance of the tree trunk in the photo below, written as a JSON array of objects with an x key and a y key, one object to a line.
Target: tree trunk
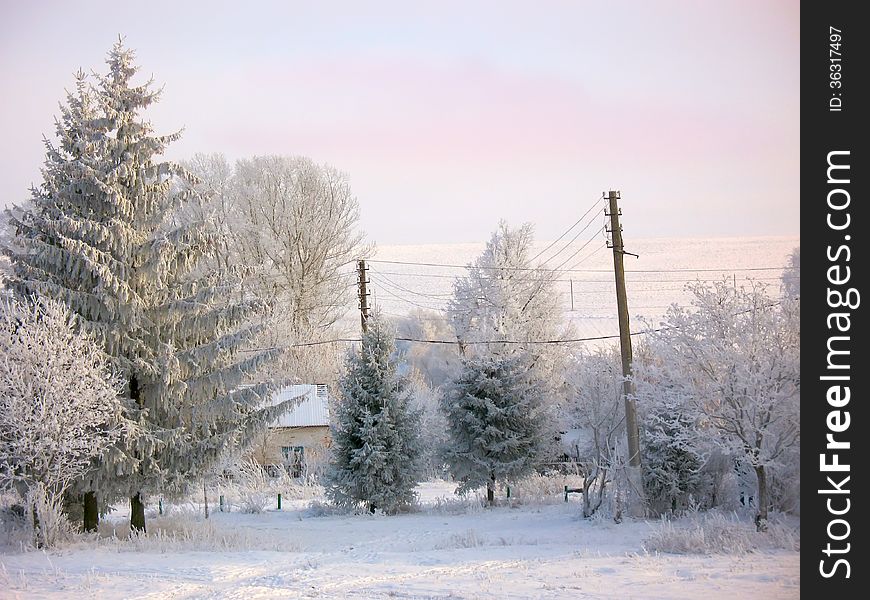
[
  {"x": 137, "y": 507},
  {"x": 91, "y": 512},
  {"x": 761, "y": 516},
  {"x": 490, "y": 491},
  {"x": 137, "y": 513},
  {"x": 36, "y": 529}
]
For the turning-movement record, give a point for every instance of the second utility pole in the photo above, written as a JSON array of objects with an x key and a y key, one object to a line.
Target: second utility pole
[
  {"x": 625, "y": 347},
  {"x": 363, "y": 295}
]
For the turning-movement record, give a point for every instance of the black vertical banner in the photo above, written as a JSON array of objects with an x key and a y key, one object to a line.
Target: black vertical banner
[{"x": 835, "y": 422}]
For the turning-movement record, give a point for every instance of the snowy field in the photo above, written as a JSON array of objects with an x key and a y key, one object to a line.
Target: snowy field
[
  {"x": 654, "y": 280},
  {"x": 447, "y": 549}
]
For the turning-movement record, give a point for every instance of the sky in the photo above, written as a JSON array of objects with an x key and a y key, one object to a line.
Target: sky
[{"x": 447, "y": 116}]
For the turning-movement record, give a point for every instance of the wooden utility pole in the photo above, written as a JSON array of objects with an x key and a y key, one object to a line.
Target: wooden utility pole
[
  {"x": 571, "y": 281},
  {"x": 363, "y": 295},
  {"x": 625, "y": 349}
]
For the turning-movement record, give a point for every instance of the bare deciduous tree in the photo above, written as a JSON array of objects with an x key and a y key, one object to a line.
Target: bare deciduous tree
[{"x": 737, "y": 353}]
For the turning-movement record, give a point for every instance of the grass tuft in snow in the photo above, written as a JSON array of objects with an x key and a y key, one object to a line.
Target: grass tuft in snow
[
  {"x": 715, "y": 533},
  {"x": 182, "y": 532}
]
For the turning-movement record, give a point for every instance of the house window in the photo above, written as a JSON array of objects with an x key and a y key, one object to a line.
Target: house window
[{"x": 294, "y": 457}]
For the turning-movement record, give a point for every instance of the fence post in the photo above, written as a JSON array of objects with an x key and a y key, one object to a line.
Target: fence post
[
  {"x": 222, "y": 503},
  {"x": 509, "y": 492},
  {"x": 279, "y": 501},
  {"x": 566, "y": 493},
  {"x": 160, "y": 506}
]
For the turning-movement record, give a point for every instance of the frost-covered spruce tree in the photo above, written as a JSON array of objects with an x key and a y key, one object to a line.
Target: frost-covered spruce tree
[
  {"x": 673, "y": 455},
  {"x": 497, "y": 422},
  {"x": 376, "y": 445},
  {"x": 100, "y": 235}
]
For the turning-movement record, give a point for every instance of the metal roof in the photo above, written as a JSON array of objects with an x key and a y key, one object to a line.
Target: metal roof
[{"x": 312, "y": 411}]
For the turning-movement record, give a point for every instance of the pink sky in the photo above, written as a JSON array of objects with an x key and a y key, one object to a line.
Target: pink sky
[{"x": 448, "y": 117}]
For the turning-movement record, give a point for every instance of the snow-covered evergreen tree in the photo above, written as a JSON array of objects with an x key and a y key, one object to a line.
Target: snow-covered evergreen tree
[
  {"x": 497, "y": 421},
  {"x": 100, "y": 234},
  {"x": 376, "y": 441},
  {"x": 673, "y": 455},
  {"x": 60, "y": 407}
]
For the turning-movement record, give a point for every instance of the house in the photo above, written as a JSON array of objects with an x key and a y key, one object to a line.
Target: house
[{"x": 297, "y": 441}]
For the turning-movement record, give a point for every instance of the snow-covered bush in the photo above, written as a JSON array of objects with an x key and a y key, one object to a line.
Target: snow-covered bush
[
  {"x": 60, "y": 410},
  {"x": 50, "y": 523},
  {"x": 539, "y": 489},
  {"x": 376, "y": 442},
  {"x": 717, "y": 533},
  {"x": 596, "y": 411}
]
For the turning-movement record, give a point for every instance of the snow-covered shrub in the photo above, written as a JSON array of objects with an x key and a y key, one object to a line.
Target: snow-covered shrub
[
  {"x": 716, "y": 533},
  {"x": 58, "y": 398},
  {"x": 59, "y": 407},
  {"x": 50, "y": 523},
  {"x": 16, "y": 530},
  {"x": 468, "y": 539},
  {"x": 596, "y": 413},
  {"x": 542, "y": 489},
  {"x": 248, "y": 487},
  {"x": 458, "y": 505}
]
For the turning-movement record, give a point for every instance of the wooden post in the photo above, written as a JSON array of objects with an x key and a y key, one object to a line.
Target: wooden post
[
  {"x": 363, "y": 295},
  {"x": 571, "y": 281},
  {"x": 631, "y": 425},
  {"x": 279, "y": 500}
]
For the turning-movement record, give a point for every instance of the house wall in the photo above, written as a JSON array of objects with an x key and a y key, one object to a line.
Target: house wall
[{"x": 315, "y": 440}]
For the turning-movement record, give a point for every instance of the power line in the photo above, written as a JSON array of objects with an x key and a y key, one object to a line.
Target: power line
[
  {"x": 589, "y": 241},
  {"x": 573, "y": 239},
  {"x": 511, "y": 342},
  {"x": 444, "y": 276},
  {"x": 383, "y": 279},
  {"x": 538, "y": 255},
  {"x": 681, "y": 270},
  {"x": 587, "y": 257}
]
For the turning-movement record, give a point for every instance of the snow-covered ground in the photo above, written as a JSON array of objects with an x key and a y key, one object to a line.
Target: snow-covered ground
[{"x": 448, "y": 549}]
